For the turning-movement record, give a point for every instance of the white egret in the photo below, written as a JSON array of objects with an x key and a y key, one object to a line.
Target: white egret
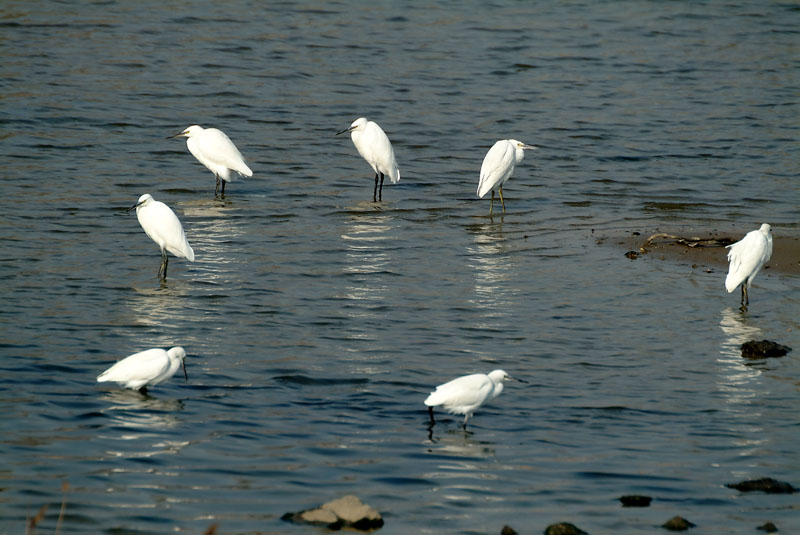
[
  {"x": 498, "y": 164},
  {"x": 465, "y": 394},
  {"x": 216, "y": 151},
  {"x": 747, "y": 256},
  {"x": 375, "y": 147},
  {"x": 162, "y": 225},
  {"x": 150, "y": 367}
]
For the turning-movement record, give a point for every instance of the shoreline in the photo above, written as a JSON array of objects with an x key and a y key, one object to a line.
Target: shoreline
[{"x": 785, "y": 249}]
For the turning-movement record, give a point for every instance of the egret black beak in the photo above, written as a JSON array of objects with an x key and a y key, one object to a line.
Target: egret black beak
[
  {"x": 529, "y": 147},
  {"x": 134, "y": 206},
  {"x": 183, "y": 362},
  {"x": 346, "y": 130},
  {"x": 176, "y": 135}
]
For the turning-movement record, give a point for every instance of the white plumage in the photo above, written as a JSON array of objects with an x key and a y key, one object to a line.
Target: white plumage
[
  {"x": 498, "y": 164},
  {"x": 214, "y": 149},
  {"x": 374, "y": 146},
  {"x": 162, "y": 225},
  {"x": 146, "y": 368},
  {"x": 747, "y": 256},
  {"x": 465, "y": 394}
]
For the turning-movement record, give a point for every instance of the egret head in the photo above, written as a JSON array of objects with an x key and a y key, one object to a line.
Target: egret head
[
  {"x": 179, "y": 353},
  {"x": 193, "y": 130},
  {"x": 521, "y": 145},
  {"x": 143, "y": 200},
  {"x": 359, "y": 124},
  {"x": 765, "y": 229}
]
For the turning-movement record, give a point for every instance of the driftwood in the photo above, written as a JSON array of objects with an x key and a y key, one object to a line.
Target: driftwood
[{"x": 688, "y": 242}]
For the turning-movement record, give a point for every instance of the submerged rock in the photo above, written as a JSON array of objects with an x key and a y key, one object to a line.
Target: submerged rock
[
  {"x": 634, "y": 500},
  {"x": 763, "y": 349},
  {"x": 677, "y": 523},
  {"x": 765, "y": 484},
  {"x": 508, "y": 530},
  {"x": 563, "y": 528},
  {"x": 769, "y": 527},
  {"x": 345, "y": 512}
]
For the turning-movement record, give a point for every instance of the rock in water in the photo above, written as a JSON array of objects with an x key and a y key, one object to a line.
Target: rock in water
[
  {"x": 508, "y": 530},
  {"x": 633, "y": 500},
  {"x": 769, "y": 527},
  {"x": 677, "y": 523},
  {"x": 763, "y": 349},
  {"x": 345, "y": 512},
  {"x": 564, "y": 528},
  {"x": 765, "y": 484}
]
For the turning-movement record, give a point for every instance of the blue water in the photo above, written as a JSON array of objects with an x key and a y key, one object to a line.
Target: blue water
[{"x": 316, "y": 322}]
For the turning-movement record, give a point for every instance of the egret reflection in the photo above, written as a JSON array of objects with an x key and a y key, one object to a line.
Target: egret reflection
[
  {"x": 366, "y": 258},
  {"x": 494, "y": 270},
  {"x": 138, "y": 412},
  {"x": 737, "y": 380}
]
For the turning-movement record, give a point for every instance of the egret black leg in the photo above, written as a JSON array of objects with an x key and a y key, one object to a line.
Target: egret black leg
[
  {"x": 430, "y": 413},
  {"x": 216, "y": 190},
  {"x": 375, "y": 191},
  {"x": 500, "y": 189},
  {"x": 223, "y": 190},
  {"x": 380, "y": 191},
  {"x": 491, "y": 206},
  {"x": 162, "y": 271},
  {"x": 143, "y": 390}
]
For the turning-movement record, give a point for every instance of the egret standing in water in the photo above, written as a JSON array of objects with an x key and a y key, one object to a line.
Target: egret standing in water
[
  {"x": 216, "y": 151},
  {"x": 150, "y": 367},
  {"x": 374, "y": 146},
  {"x": 465, "y": 394},
  {"x": 747, "y": 256},
  {"x": 162, "y": 225},
  {"x": 498, "y": 165}
]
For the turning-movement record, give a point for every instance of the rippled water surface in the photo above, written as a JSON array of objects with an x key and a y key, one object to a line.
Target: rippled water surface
[{"x": 316, "y": 321}]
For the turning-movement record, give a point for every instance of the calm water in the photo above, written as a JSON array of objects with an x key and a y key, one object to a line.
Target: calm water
[{"x": 317, "y": 322}]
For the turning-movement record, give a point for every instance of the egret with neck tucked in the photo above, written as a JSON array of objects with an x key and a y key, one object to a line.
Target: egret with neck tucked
[
  {"x": 498, "y": 164},
  {"x": 163, "y": 226},
  {"x": 465, "y": 394},
  {"x": 146, "y": 368},
  {"x": 374, "y": 146},
  {"x": 214, "y": 149},
  {"x": 747, "y": 256}
]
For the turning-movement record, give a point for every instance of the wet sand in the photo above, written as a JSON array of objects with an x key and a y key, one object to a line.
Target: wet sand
[{"x": 785, "y": 249}]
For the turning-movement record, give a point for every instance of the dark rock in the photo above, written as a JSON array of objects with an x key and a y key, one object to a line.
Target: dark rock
[
  {"x": 765, "y": 484},
  {"x": 763, "y": 349},
  {"x": 508, "y": 530},
  {"x": 564, "y": 528},
  {"x": 633, "y": 500},
  {"x": 769, "y": 527},
  {"x": 345, "y": 512},
  {"x": 633, "y": 255},
  {"x": 677, "y": 523}
]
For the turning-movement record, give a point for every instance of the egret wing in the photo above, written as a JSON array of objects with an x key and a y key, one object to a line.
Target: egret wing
[
  {"x": 746, "y": 257},
  {"x": 497, "y": 165},
  {"x": 466, "y": 391},
  {"x": 163, "y": 226},
  {"x": 137, "y": 369},
  {"x": 218, "y": 149}
]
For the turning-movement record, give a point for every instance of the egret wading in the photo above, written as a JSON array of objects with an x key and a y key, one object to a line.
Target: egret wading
[
  {"x": 498, "y": 164},
  {"x": 217, "y": 152},
  {"x": 465, "y": 394},
  {"x": 374, "y": 146},
  {"x": 162, "y": 225},
  {"x": 747, "y": 256},
  {"x": 146, "y": 368}
]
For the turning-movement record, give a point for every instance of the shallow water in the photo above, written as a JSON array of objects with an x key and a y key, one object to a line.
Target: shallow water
[{"x": 316, "y": 322}]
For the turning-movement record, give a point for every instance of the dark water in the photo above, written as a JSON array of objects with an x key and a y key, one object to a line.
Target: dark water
[{"x": 316, "y": 322}]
